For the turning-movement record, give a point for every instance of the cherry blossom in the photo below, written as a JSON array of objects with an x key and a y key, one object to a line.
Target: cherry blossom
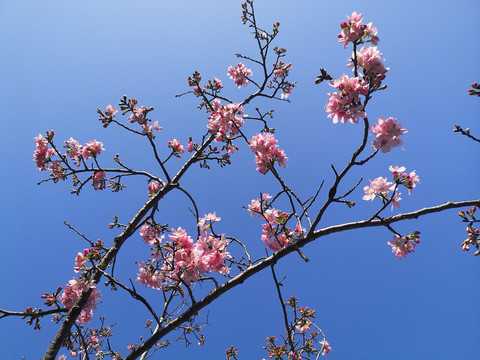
[
  {"x": 356, "y": 31},
  {"x": 153, "y": 187},
  {"x": 402, "y": 246},
  {"x": 326, "y": 347},
  {"x": 176, "y": 146},
  {"x": 378, "y": 187},
  {"x": 369, "y": 59},
  {"x": 72, "y": 292},
  {"x": 225, "y": 121},
  {"x": 42, "y": 153},
  {"x": 387, "y": 134},
  {"x": 239, "y": 74},
  {"x": 267, "y": 152},
  {"x": 97, "y": 180},
  {"x": 346, "y": 105},
  {"x": 149, "y": 277},
  {"x": 74, "y": 149},
  {"x": 138, "y": 115},
  {"x": 110, "y": 110},
  {"x": 92, "y": 149}
]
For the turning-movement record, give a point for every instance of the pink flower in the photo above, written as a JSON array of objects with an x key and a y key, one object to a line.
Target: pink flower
[
  {"x": 225, "y": 121},
  {"x": 153, "y": 187},
  {"x": 370, "y": 60},
  {"x": 378, "y": 187},
  {"x": 72, "y": 292},
  {"x": 42, "y": 153},
  {"x": 62, "y": 357},
  {"x": 326, "y": 347},
  {"x": 190, "y": 147},
  {"x": 207, "y": 221},
  {"x": 176, "y": 146},
  {"x": 97, "y": 180},
  {"x": 402, "y": 246},
  {"x": 74, "y": 149},
  {"x": 410, "y": 181},
  {"x": 396, "y": 200},
  {"x": 150, "y": 235},
  {"x": 149, "y": 277},
  {"x": 346, "y": 105},
  {"x": 138, "y": 115},
  {"x": 267, "y": 152},
  {"x": 282, "y": 70},
  {"x": 286, "y": 92},
  {"x": 356, "y": 31},
  {"x": 80, "y": 261},
  {"x": 92, "y": 149},
  {"x": 387, "y": 134},
  {"x": 110, "y": 110},
  {"x": 239, "y": 74}
]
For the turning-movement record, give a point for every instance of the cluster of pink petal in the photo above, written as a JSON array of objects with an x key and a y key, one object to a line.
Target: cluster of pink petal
[
  {"x": 138, "y": 115},
  {"x": 267, "y": 152},
  {"x": 255, "y": 206},
  {"x": 42, "y": 153},
  {"x": 80, "y": 260},
  {"x": 149, "y": 277},
  {"x": 206, "y": 222},
  {"x": 148, "y": 129},
  {"x": 370, "y": 60},
  {"x": 239, "y": 74},
  {"x": 110, "y": 110},
  {"x": 346, "y": 105},
  {"x": 282, "y": 70},
  {"x": 303, "y": 325},
  {"x": 72, "y": 292},
  {"x": 401, "y": 246},
  {"x": 355, "y": 30},
  {"x": 224, "y": 121},
  {"x": 150, "y": 235},
  {"x": 97, "y": 180},
  {"x": 189, "y": 259},
  {"x": 378, "y": 187},
  {"x": 92, "y": 149},
  {"x": 326, "y": 347},
  {"x": 153, "y": 187},
  {"x": 410, "y": 180},
  {"x": 74, "y": 149},
  {"x": 176, "y": 146},
  {"x": 387, "y": 134}
]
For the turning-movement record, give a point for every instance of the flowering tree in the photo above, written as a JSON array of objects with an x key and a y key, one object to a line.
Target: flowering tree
[{"x": 188, "y": 268}]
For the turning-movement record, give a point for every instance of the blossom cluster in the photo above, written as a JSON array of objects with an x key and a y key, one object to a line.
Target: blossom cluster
[
  {"x": 43, "y": 154},
  {"x": 137, "y": 115},
  {"x": 176, "y": 146},
  {"x": 346, "y": 105},
  {"x": 473, "y": 233},
  {"x": 355, "y": 31},
  {"x": 280, "y": 72},
  {"x": 73, "y": 290},
  {"x": 403, "y": 245},
  {"x": 182, "y": 259},
  {"x": 275, "y": 233},
  {"x": 267, "y": 152},
  {"x": 369, "y": 59},
  {"x": 380, "y": 187},
  {"x": 239, "y": 74},
  {"x": 387, "y": 134},
  {"x": 225, "y": 120}
]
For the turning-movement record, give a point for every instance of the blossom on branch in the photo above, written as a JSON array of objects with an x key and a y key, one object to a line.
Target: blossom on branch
[
  {"x": 356, "y": 32},
  {"x": 387, "y": 134},
  {"x": 267, "y": 152},
  {"x": 239, "y": 75}
]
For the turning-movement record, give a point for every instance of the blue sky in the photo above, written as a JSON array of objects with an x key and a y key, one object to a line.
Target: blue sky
[{"x": 62, "y": 60}]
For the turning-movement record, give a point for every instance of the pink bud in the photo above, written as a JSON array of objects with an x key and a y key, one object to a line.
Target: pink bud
[{"x": 343, "y": 25}]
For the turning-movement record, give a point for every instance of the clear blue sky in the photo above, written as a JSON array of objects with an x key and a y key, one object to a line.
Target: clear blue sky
[{"x": 63, "y": 59}]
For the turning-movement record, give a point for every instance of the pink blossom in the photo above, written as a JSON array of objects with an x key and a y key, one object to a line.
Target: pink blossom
[
  {"x": 74, "y": 149},
  {"x": 97, "y": 180},
  {"x": 42, "y": 153},
  {"x": 356, "y": 31},
  {"x": 255, "y": 206},
  {"x": 72, "y": 292},
  {"x": 387, "y": 134},
  {"x": 62, "y": 357},
  {"x": 58, "y": 171},
  {"x": 190, "y": 147},
  {"x": 149, "y": 277},
  {"x": 370, "y": 60},
  {"x": 396, "y": 200},
  {"x": 286, "y": 92},
  {"x": 80, "y": 261},
  {"x": 153, "y": 187},
  {"x": 176, "y": 146},
  {"x": 150, "y": 235},
  {"x": 326, "y": 347},
  {"x": 402, "y": 246},
  {"x": 138, "y": 115},
  {"x": 92, "y": 149},
  {"x": 207, "y": 220},
  {"x": 110, "y": 110},
  {"x": 239, "y": 74},
  {"x": 225, "y": 121},
  {"x": 346, "y": 105},
  {"x": 378, "y": 187},
  {"x": 267, "y": 152},
  {"x": 156, "y": 126},
  {"x": 410, "y": 181},
  {"x": 282, "y": 70}
]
